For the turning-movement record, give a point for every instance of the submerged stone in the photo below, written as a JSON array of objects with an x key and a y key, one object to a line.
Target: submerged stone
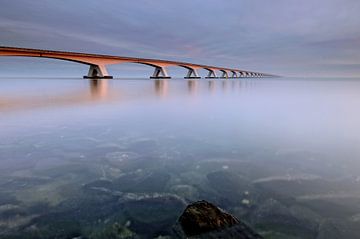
[
  {"x": 153, "y": 216},
  {"x": 187, "y": 192},
  {"x": 142, "y": 182},
  {"x": 229, "y": 186}
]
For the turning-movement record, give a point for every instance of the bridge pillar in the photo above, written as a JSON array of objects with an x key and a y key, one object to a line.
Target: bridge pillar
[
  {"x": 160, "y": 72},
  {"x": 212, "y": 74},
  {"x": 192, "y": 74},
  {"x": 234, "y": 74},
  {"x": 224, "y": 74},
  {"x": 98, "y": 72}
]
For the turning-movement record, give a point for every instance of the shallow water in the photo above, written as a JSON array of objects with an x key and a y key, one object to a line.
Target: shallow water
[{"x": 122, "y": 158}]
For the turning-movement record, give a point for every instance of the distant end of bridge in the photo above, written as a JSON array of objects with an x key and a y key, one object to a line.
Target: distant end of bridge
[{"x": 98, "y": 63}]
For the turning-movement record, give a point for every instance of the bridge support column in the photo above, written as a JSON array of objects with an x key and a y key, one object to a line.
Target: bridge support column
[
  {"x": 234, "y": 74},
  {"x": 192, "y": 74},
  {"x": 224, "y": 74},
  {"x": 98, "y": 72},
  {"x": 212, "y": 74},
  {"x": 160, "y": 73}
]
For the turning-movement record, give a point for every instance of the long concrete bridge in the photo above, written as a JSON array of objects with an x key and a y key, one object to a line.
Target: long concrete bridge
[{"x": 98, "y": 64}]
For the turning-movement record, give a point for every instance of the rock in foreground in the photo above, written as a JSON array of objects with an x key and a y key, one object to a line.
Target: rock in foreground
[{"x": 204, "y": 220}]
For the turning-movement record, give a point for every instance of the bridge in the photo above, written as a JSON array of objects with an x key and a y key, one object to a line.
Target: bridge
[{"x": 97, "y": 64}]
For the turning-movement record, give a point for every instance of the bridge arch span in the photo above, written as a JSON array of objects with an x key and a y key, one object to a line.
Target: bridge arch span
[
  {"x": 99, "y": 62},
  {"x": 192, "y": 71},
  {"x": 211, "y": 72},
  {"x": 234, "y": 74},
  {"x": 97, "y": 65},
  {"x": 225, "y": 73}
]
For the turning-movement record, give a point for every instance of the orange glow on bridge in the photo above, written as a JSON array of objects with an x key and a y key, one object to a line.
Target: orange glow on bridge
[{"x": 98, "y": 64}]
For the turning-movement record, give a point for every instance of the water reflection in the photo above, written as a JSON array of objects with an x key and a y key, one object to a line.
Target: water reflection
[
  {"x": 161, "y": 88},
  {"x": 234, "y": 84},
  {"x": 211, "y": 86},
  {"x": 99, "y": 88},
  {"x": 192, "y": 86},
  {"x": 224, "y": 85}
]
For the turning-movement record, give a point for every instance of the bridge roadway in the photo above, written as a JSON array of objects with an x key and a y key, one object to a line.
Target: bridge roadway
[{"x": 98, "y": 64}]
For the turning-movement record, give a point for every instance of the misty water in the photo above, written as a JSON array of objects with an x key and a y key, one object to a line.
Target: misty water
[{"x": 122, "y": 158}]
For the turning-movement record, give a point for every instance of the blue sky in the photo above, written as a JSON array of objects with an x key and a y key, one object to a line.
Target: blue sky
[{"x": 285, "y": 37}]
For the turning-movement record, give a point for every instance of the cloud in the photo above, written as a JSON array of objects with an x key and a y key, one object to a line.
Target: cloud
[{"x": 279, "y": 36}]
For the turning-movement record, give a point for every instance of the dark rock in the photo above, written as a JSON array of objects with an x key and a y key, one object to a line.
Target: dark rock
[
  {"x": 204, "y": 220},
  {"x": 201, "y": 217}
]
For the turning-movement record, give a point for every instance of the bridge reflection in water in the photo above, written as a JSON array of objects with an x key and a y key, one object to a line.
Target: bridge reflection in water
[
  {"x": 161, "y": 87},
  {"x": 102, "y": 90},
  {"x": 99, "y": 89}
]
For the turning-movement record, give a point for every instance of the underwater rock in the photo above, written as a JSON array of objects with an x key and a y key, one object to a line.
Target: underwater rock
[
  {"x": 101, "y": 183},
  {"x": 153, "y": 216},
  {"x": 230, "y": 187},
  {"x": 155, "y": 182},
  {"x": 204, "y": 220},
  {"x": 114, "y": 231},
  {"x": 120, "y": 156},
  {"x": 144, "y": 146},
  {"x": 187, "y": 192},
  {"x": 292, "y": 220},
  {"x": 142, "y": 183}
]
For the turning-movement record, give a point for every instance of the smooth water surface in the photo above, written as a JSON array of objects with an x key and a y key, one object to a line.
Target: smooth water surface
[{"x": 122, "y": 158}]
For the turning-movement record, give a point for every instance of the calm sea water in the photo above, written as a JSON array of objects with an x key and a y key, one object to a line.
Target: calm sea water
[{"x": 122, "y": 158}]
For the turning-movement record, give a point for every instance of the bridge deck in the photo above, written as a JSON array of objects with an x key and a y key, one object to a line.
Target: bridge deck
[{"x": 102, "y": 60}]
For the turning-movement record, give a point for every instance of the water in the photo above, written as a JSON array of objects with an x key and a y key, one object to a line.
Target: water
[{"x": 122, "y": 158}]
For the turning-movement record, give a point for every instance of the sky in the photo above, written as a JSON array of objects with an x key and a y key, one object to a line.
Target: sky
[{"x": 305, "y": 38}]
